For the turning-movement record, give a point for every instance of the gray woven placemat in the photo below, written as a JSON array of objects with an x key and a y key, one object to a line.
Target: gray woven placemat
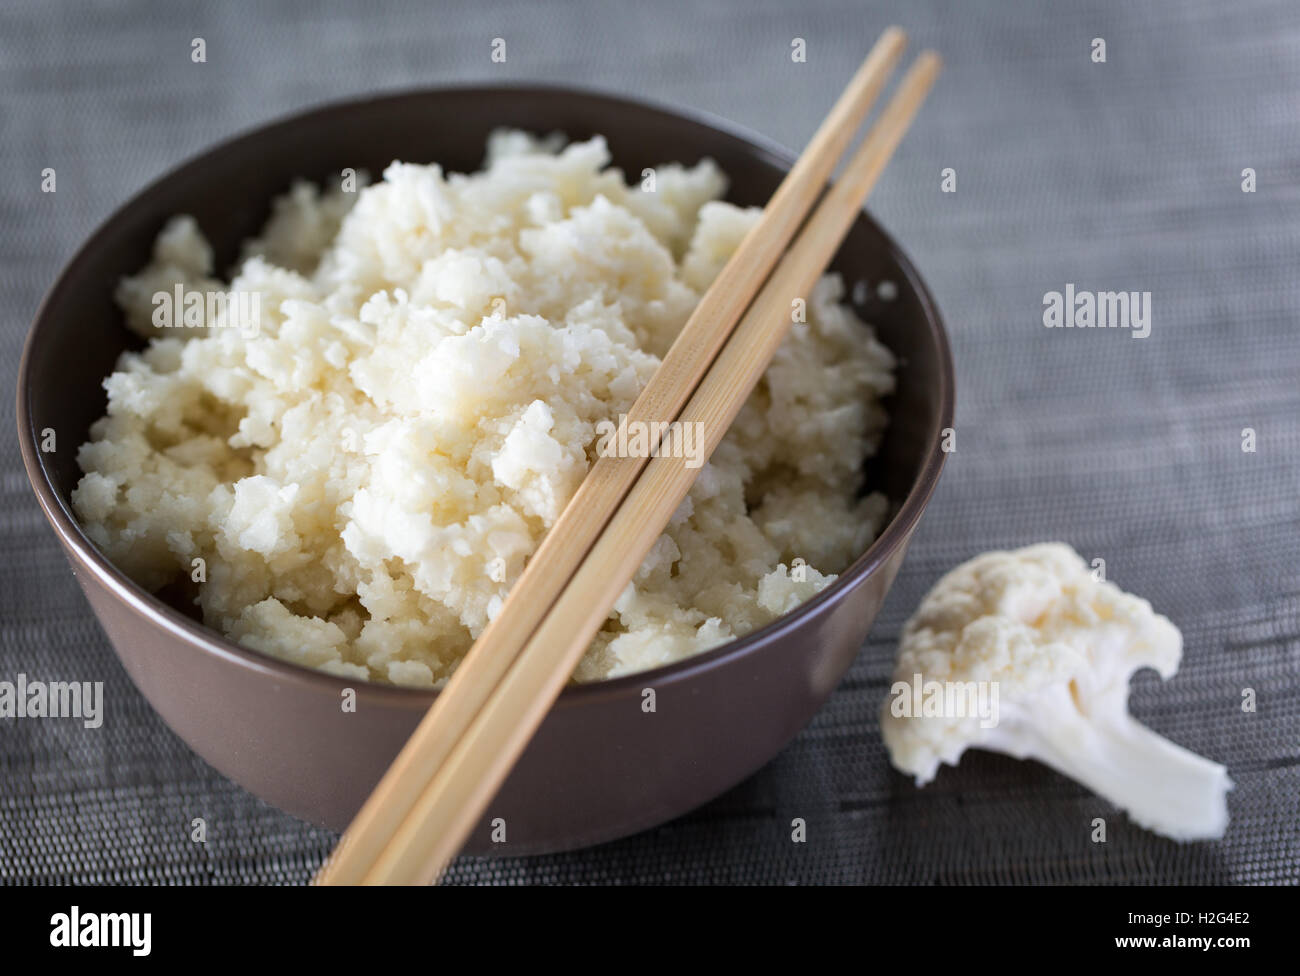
[{"x": 1123, "y": 175}]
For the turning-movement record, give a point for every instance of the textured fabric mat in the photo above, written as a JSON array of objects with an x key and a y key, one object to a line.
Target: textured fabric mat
[{"x": 1123, "y": 175}]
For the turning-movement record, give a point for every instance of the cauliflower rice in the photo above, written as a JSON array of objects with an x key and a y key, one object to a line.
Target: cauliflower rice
[{"x": 356, "y": 486}]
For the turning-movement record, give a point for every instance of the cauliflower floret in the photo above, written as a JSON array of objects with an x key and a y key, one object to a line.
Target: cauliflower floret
[{"x": 1052, "y": 649}]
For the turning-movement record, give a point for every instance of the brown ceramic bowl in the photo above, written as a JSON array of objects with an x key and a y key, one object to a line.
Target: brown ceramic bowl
[{"x": 599, "y": 768}]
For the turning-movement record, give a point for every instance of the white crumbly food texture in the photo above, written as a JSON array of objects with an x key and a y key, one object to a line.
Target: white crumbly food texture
[
  {"x": 365, "y": 477},
  {"x": 1034, "y": 631}
]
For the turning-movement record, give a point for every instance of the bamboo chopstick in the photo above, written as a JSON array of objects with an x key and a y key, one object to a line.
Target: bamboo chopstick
[
  {"x": 610, "y": 478},
  {"x": 454, "y": 800}
]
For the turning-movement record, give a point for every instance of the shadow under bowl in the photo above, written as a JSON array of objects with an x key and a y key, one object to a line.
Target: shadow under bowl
[{"x": 599, "y": 767}]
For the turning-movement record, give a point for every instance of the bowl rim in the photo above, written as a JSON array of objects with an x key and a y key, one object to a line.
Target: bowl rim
[{"x": 145, "y": 604}]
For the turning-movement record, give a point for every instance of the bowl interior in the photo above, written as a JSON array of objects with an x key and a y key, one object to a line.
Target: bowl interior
[{"x": 79, "y": 333}]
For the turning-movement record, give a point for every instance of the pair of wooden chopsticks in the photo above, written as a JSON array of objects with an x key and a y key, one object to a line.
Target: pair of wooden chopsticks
[{"x": 444, "y": 778}]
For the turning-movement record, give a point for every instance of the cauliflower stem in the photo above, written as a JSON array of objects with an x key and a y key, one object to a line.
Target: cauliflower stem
[{"x": 1164, "y": 787}]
